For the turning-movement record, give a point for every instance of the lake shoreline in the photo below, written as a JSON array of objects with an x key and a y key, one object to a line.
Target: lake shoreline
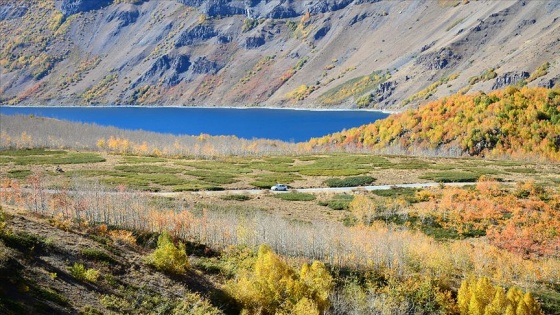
[{"x": 311, "y": 109}]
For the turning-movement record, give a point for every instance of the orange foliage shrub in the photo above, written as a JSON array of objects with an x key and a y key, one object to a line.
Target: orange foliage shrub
[
  {"x": 122, "y": 237},
  {"x": 526, "y": 221}
]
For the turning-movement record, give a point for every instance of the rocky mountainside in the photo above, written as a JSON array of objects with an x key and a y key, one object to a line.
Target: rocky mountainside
[{"x": 314, "y": 53}]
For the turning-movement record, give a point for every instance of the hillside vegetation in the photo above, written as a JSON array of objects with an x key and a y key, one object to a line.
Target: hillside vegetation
[{"x": 511, "y": 122}]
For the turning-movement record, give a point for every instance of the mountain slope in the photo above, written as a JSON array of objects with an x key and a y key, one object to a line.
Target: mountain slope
[
  {"x": 328, "y": 53},
  {"x": 514, "y": 122}
]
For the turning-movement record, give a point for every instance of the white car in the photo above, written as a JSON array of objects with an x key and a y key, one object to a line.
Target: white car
[{"x": 279, "y": 187}]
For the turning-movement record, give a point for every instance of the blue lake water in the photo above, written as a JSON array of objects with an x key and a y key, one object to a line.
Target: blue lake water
[{"x": 280, "y": 124}]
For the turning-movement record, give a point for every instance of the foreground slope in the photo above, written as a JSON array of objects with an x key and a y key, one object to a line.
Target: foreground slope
[
  {"x": 328, "y": 53},
  {"x": 511, "y": 122},
  {"x": 39, "y": 273}
]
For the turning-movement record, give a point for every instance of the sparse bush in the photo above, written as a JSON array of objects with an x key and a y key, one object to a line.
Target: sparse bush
[
  {"x": 116, "y": 303},
  {"x": 300, "y": 93},
  {"x": 353, "y": 88},
  {"x": 539, "y": 72},
  {"x": 194, "y": 304},
  {"x": 249, "y": 24},
  {"x": 167, "y": 257},
  {"x": 90, "y": 310},
  {"x": 364, "y": 100},
  {"x": 61, "y": 223}
]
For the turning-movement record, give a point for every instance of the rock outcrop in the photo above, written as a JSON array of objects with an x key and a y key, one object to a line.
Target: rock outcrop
[
  {"x": 275, "y": 9},
  {"x": 510, "y": 78},
  {"x": 12, "y": 11},
  {"x": 254, "y": 42},
  {"x": 166, "y": 68},
  {"x": 549, "y": 83},
  {"x": 196, "y": 35},
  {"x": 441, "y": 59},
  {"x": 384, "y": 91},
  {"x": 69, "y": 7},
  {"x": 204, "y": 66},
  {"x": 124, "y": 17}
]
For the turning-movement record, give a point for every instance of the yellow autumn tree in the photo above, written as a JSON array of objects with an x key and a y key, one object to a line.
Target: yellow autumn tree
[
  {"x": 363, "y": 208},
  {"x": 319, "y": 283},
  {"x": 168, "y": 257},
  {"x": 273, "y": 287},
  {"x": 480, "y": 297},
  {"x": 101, "y": 143},
  {"x": 305, "y": 306}
]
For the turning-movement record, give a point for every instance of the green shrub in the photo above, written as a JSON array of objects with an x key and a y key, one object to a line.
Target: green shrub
[
  {"x": 80, "y": 272},
  {"x": 19, "y": 174},
  {"x": 338, "y": 202},
  {"x": 249, "y": 24},
  {"x": 451, "y": 177},
  {"x": 268, "y": 180},
  {"x": 353, "y": 87},
  {"x": 364, "y": 100},
  {"x": 2, "y": 220},
  {"x": 295, "y": 196},
  {"x": 66, "y": 158},
  {"x": 90, "y": 310},
  {"x": 194, "y": 186},
  {"x": 408, "y": 194},
  {"x": 414, "y": 164},
  {"x": 521, "y": 170},
  {"x": 193, "y": 303},
  {"x": 147, "y": 169},
  {"x": 52, "y": 295},
  {"x": 214, "y": 177},
  {"x": 332, "y": 172},
  {"x": 141, "y": 159},
  {"x": 237, "y": 197},
  {"x": 167, "y": 257},
  {"x": 539, "y": 72},
  {"x": 24, "y": 242},
  {"x": 28, "y": 152},
  {"x": 96, "y": 254},
  {"x": 349, "y": 181}
]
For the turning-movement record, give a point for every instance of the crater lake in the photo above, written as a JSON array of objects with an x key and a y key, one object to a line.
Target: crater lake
[{"x": 280, "y": 124}]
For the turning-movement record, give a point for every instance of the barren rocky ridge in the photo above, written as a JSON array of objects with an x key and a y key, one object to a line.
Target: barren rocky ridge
[{"x": 323, "y": 53}]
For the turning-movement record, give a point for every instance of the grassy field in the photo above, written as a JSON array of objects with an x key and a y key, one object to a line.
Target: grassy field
[{"x": 334, "y": 170}]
